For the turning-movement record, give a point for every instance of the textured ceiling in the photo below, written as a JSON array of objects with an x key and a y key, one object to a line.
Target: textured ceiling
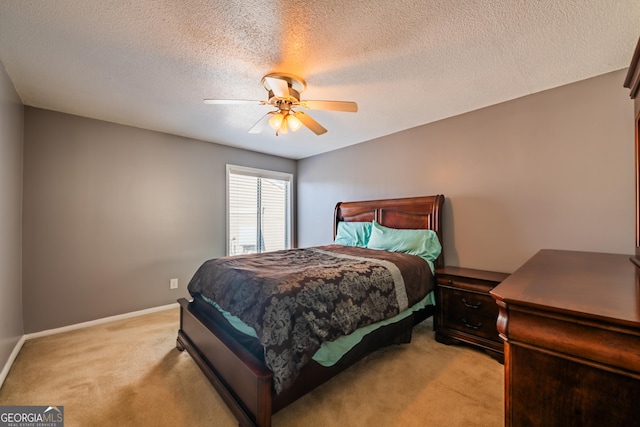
[{"x": 150, "y": 63}]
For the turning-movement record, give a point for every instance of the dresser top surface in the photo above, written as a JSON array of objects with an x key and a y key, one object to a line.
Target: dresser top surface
[{"x": 580, "y": 284}]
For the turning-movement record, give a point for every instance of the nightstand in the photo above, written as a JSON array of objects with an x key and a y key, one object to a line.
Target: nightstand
[{"x": 465, "y": 310}]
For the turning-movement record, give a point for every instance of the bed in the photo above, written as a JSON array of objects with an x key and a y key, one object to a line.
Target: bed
[{"x": 234, "y": 362}]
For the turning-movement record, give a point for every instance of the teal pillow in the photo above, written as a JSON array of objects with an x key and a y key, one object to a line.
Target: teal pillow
[
  {"x": 353, "y": 234},
  {"x": 423, "y": 243}
]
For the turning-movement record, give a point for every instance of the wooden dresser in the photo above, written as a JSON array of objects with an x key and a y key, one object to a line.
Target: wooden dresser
[{"x": 571, "y": 326}]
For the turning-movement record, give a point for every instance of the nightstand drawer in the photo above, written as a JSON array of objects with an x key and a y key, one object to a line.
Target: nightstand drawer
[
  {"x": 470, "y": 312},
  {"x": 465, "y": 311}
]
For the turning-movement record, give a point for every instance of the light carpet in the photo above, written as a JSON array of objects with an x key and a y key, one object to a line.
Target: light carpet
[{"x": 129, "y": 373}]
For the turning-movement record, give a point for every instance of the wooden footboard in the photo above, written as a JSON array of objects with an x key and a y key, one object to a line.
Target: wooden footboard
[{"x": 242, "y": 381}]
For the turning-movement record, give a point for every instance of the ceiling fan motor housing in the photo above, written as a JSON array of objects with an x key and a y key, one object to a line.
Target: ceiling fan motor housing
[
  {"x": 283, "y": 96},
  {"x": 294, "y": 82},
  {"x": 284, "y": 102}
]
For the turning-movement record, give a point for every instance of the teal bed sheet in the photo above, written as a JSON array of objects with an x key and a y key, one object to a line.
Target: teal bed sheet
[{"x": 330, "y": 352}]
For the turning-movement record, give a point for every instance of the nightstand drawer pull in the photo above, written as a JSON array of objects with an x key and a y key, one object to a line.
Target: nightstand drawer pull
[
  {"x": 468, "y": 325},
  {"x": 470, "y": 305}
]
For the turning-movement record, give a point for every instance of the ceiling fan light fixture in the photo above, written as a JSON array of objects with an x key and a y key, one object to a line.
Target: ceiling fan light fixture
[
  {"x": 276, "y": 121},
  {"x": 293, "y": 122},
  {"x": 284, "y": 121},
  {"x": 284, "y": 127}
]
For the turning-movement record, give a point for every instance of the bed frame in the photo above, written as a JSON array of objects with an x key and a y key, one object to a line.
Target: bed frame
[{"x": 241, "y": 377}]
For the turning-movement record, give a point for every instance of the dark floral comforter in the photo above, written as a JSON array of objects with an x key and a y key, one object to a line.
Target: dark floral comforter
[{"x": 298, "y": 298}]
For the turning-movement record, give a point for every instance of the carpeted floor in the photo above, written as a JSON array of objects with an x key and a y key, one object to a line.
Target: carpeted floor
[{"x": 129, "y": 373}]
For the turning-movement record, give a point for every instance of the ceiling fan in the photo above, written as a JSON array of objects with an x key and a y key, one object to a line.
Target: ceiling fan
[{"x": 284, "y": 95}]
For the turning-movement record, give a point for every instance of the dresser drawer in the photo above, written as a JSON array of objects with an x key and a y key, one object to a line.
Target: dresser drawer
[{"x": 470, "y": 312}]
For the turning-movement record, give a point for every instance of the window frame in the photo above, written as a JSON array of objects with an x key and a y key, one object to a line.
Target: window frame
[{"x": 259, "y": 173}]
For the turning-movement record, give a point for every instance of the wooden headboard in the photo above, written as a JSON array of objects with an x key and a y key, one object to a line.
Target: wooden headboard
[{"x": 407, "y": 213}]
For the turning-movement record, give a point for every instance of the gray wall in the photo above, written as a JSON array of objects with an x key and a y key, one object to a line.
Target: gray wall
[
  {"x": 549, "y": 170},
  {"x": 112, "y": 213},
  {"x": 11, "y": 126}
]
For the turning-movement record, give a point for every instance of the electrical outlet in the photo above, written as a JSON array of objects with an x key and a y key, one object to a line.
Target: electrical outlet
[{"x": 173, "y": 284}]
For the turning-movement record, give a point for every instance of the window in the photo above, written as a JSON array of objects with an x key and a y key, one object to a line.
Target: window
[{"x": 258, "y": 210}]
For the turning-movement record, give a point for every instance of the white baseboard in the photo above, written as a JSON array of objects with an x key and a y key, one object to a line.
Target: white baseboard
[
  {"x": 99, "y": 321},
  {"x": 12, "y": 358},
  {"x": 16, "y": 350}
]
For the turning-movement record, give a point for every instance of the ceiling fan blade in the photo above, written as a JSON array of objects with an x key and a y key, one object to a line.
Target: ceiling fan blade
[
  {"x": 262, "y": 123},
  {"x": 314, "y": 126},
  {"x": 234, "y": 101},
  {"x": 279, "y": 87},
  {"x": 348, "y": 106}
]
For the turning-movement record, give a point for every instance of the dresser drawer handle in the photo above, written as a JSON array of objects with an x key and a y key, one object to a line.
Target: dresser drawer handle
[
  {"x": 469, "y": 325},
  {"x": 471, "y": 305}
]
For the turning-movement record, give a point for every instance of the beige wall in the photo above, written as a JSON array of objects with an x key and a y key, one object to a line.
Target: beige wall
[
  {"x": 11, "y": 126},
  {"x": 112, "y": 213},
  {"x": 549, "y": 170}
]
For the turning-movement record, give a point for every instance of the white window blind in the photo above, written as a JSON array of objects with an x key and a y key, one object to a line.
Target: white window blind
[{"x": 258, "y": 210}]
